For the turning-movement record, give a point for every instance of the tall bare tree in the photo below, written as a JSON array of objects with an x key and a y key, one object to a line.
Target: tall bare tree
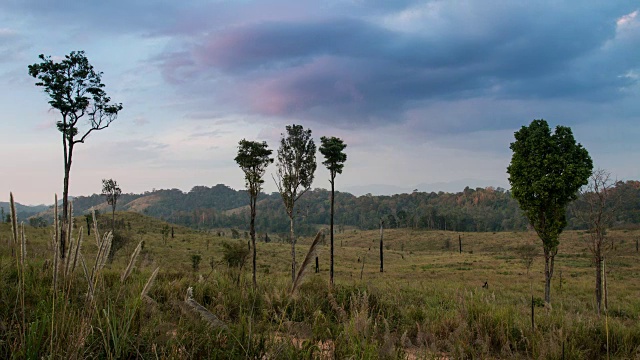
[
  {"x": 596, "y": 209},
  {"x": 296, "y": 168},
  {"x": 332, "y": 148},
  {"x": 76, "y": 90},
  {"x": 253, "y": 158}
]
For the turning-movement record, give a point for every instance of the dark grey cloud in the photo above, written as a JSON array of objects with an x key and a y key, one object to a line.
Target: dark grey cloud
[
  {"x": 208, "y": 134},
  {"x": 349, "y": 63},
  {"x": 369, "y": 70}
]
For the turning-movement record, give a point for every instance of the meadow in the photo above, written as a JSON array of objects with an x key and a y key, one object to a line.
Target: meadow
[{"x": 429, "y": 303}]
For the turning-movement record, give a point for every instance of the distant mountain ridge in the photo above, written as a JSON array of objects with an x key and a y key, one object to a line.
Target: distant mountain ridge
[
  {"x": 219, "y": 206},
  {"x": 24, "y": 211}
]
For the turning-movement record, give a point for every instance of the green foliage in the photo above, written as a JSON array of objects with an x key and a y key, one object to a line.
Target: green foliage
[
  {"x": 469, "y": 210},
  {"x": 165, "y": 231},
  {"x": 332, "y": 148},
  {"x": 253, "y": 158},
  {"x": 38, "y": 221},
  {"x": 538, "y": 302},
  {"x": 545, "y": 174},
  {"x": 235, "y": 253},
  {"x": 118, "y": 328},
  {"x": 195, "y": 261},
  {"x": 75, "y": 89},
  {"x": 111, "y": 191},
  {"x": 296, "y": 165}
]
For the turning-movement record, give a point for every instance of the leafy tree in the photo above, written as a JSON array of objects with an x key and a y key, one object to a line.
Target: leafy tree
[
  {"x": 37, "y": 221},
  {"x": 402, "y": 218},
  {"x": 253, "y": 158},
  {"x": 111, "y": 191},
  {"x": 76, "y": 90},
  {"x": 545, "y": 173},
  {"x": 392, "y": 223},
  {"x": 332, "y": 149},
  {"x": 296, "y": 167}
]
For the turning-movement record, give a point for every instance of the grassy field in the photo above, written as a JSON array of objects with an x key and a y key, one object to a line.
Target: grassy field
[{"x": 429, "y": 303}]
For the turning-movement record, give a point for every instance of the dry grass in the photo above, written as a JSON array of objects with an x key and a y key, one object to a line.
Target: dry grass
[{"x": 429, "y": 302}]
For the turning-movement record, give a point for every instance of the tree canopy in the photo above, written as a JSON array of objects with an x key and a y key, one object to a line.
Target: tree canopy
[
  {"x": 111, "y": 191},
  {"x": 75, "y": 89},
  {"x": 332, "y": 148},
  {"x": 296, "y": 164},
  {"x": 545, "y": 174},
  {"x": 253, "y": 158}
]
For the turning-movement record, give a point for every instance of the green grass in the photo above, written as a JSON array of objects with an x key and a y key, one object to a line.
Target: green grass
[{"x": 429, "y": 302}]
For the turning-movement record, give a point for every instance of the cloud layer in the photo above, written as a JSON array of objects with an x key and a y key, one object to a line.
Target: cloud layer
[{"x": 429, "y": 90}]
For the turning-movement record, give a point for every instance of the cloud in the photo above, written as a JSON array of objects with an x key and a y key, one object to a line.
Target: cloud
[
  {"x": 208, "y": 134},
  {"x": 12, "y": 45},
  {"x": 363, "y": 63},
  {"x": 140, "y": 121},
  {"x": 351, "y": 71}
]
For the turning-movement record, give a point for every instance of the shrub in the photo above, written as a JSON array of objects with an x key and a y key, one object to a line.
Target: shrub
[{"x": 235, "y": 253}]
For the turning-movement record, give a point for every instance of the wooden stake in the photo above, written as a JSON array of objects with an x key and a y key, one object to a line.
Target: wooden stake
[
  {"x": 381, "y": 245},
  {"x": 533, "y": 323}
]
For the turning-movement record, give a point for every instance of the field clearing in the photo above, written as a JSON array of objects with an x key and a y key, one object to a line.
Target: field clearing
[{"x": 428, "y": 303}]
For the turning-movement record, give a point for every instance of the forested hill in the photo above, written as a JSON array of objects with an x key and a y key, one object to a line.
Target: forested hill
[
  {"x": 481, "y": 209},
  {"x": 24, "y": 211}
]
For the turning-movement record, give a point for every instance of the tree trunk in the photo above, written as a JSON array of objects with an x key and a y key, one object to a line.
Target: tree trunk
[
  {"x": 65, "y": 197},
  {"x": 113, "y": 218},
  {"x": 293, "y": 249},
  {"x": 381, "y": 245},
  {"x": 605, "y": 292},
  {"x": 252, "y": 232},
  {"x": 598, "y": 283},
  {"x": 549, "y": 257},
  {"x": 331, "y": 230}
]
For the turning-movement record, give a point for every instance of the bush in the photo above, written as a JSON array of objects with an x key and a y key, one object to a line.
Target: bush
[
  {"x": 195, "y": 261},
  {"x": 235, "y": 253}
]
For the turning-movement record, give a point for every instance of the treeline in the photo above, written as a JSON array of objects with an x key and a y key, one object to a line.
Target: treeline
[
  {"x": 480, "y": 209},
  {"x": 471, "y": 210}
]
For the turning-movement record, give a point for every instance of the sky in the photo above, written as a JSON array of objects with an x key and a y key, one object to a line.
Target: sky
[{"x": 426, "y": 94}]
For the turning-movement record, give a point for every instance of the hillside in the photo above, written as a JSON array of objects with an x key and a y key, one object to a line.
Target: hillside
[
  {"x": 24, "y": 211},
  {"x": 470, "y": 210}
]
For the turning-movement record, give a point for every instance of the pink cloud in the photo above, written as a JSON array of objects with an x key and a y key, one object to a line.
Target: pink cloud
[{"x": 323, "y": 81}]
